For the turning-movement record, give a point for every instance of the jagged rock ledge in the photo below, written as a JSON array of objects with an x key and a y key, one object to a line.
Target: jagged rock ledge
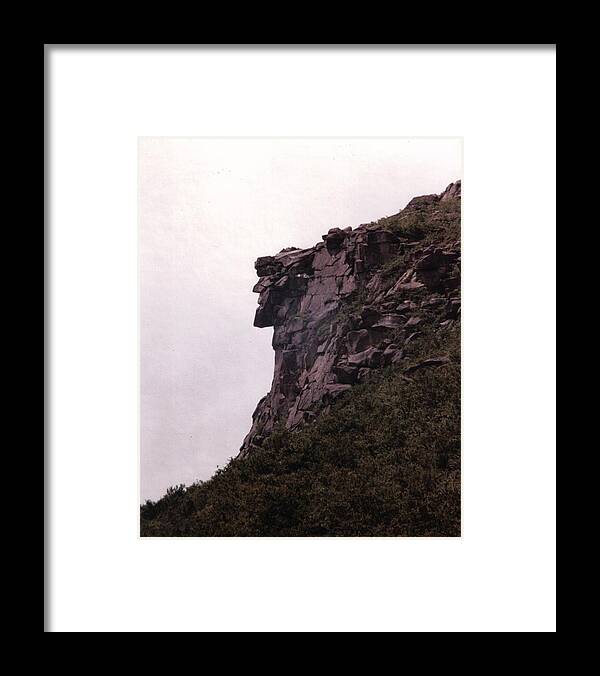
[{"x": 338, "y": 313}]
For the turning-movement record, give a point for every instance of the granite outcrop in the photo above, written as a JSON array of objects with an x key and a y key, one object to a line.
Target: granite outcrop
[{"x": 352, "y": 303}]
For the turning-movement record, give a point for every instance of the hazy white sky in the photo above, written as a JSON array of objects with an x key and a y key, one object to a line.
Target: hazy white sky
[{"x": 208, "y": 208}]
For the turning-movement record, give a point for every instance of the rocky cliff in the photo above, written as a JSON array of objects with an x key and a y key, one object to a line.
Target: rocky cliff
[
  {"x": 360, "y": 432},
  {"x": 350, "y": 305}
]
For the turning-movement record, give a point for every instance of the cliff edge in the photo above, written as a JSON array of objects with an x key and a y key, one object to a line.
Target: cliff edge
[{"x": 350, "y": 304}]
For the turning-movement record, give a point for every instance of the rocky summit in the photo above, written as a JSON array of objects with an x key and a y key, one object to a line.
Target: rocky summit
[{"x": 351, "y": 304}]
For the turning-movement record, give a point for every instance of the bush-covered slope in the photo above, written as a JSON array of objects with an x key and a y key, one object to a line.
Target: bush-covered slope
[{"x": 385, "y": 461}]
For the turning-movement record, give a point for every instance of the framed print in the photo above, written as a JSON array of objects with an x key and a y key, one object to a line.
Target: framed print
[{"x": 300, "y": 337}]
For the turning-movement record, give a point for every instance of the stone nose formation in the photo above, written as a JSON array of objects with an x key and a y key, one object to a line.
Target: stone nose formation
[{"x": 335, "y": 310}]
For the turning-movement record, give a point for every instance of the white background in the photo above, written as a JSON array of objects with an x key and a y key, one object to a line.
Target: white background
[{"x": 500, "y": 576}]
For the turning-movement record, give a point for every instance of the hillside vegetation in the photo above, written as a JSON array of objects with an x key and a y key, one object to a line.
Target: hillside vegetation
[{"x": 384, "y": 461}]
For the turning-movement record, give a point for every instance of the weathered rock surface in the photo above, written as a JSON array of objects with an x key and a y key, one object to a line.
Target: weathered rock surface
[{"x": 348, "y": 306}]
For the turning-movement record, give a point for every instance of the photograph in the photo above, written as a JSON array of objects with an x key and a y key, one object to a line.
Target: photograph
[{"x": 300, "y": 328}]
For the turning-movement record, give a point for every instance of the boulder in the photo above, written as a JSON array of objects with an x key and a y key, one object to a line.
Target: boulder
[
  {"x": 375, "y": 359},
  {"x": 267, "y": 265},
  {"x": 335, "y": 390},
  {"x": 422, "y": 201},
  {"x": 431, "y": 261},
  {"x": 358, "y": 340},
  {"x": 428, "y": 363},
  {"x": 392, "y": 355},
  {"x": 365, "y": 358},
  {"x": 390, "y": 321},
  {"x": 453, "y": 191},
  {"x": 413, "y": 321},
  {"x": 452, "y": 309},
  {"x": 369, "y": 316},
  {"x": 346, "y": 374},
  {"x": 412, "y": 336},
  {"x": 409, "y": 286},
  {"x": 334, "y": 238}
]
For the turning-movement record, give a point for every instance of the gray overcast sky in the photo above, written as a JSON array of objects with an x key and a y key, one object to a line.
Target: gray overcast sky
[{"x": 208, "y": 208}]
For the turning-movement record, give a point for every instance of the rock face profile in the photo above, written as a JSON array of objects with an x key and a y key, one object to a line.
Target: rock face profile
[
  {"x": 359, "y": 434},
  {"x": 351, "y": 304}
]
